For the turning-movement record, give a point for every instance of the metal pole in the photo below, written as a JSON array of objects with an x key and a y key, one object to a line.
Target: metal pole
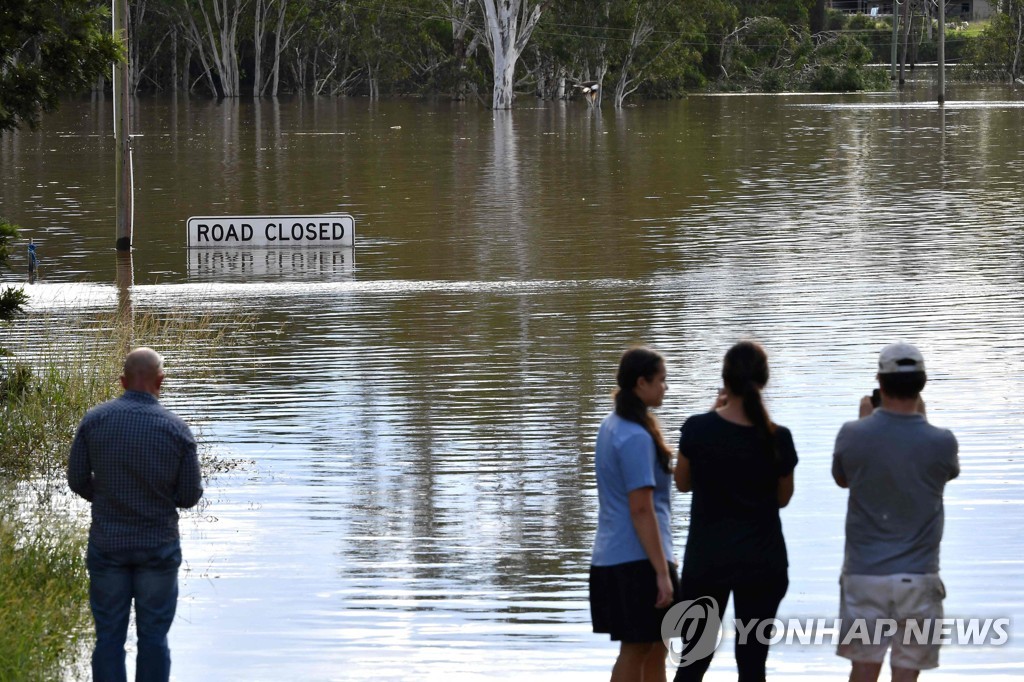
[
  {"x": 942, "y": 51},
  {"x": 124, "y": 200},
  {"x": 895, "y": 37}
]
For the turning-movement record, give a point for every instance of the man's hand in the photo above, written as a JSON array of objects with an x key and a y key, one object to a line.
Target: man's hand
[{"x": 866, "y": 408}]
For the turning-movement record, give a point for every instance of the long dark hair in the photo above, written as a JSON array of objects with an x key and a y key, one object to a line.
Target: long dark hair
[
  {"x": 636, "y": 363},
  {"x": 745, "y": 373}
]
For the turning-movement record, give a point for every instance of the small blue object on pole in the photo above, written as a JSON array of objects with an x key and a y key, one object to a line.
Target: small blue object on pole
[{"x": 33, "y": 260}]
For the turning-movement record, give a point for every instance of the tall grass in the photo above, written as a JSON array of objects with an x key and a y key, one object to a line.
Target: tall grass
[
  {"x": 43, "y": 596},
  {"x": 44, "y": 616}
]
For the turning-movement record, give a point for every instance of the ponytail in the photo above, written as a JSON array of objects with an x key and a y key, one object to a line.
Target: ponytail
[
  {"x": 745, "y": 373},
  {"x": 637, "y": 363}
]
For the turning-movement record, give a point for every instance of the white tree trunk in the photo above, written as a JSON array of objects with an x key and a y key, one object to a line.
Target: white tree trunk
[
  {"x": 260, "y": 11},
  {"x": 1015, "y": 69},
  {"x": 195, "y": 42},
  {"x": 508, "y": 27},
  {"x": 283, "y": 35},
  {"x": 222, "y": 37},
  {"x": 136, "y": 15},
  {"x": 504, "y": 79},
  {"x": 643, "y": 28}
]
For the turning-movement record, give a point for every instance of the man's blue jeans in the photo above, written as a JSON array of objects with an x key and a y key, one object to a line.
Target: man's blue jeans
[{"x": 150, "y": 577}]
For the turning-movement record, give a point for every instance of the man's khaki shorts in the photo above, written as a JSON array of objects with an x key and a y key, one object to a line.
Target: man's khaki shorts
[{"x": 885, "y": 605}]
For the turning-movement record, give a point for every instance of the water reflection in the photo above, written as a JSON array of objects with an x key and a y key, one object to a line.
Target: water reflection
[
  {"x": 246, "y": 265},
  {"x": 423, "y": 501}
]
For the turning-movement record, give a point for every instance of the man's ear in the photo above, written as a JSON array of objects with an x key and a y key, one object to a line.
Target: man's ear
[{"x": 124, "y": 382}]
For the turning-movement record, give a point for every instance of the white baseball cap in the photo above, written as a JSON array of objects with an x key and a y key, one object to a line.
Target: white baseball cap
[{"x": 900, "y": 357}]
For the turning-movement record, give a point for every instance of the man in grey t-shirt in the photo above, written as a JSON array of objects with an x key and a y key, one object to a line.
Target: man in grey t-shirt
[{"x": 896, "y": 466}]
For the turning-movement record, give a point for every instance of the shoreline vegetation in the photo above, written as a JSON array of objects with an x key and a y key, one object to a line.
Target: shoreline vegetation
[
  {"x": 45, "y": 624},
  {"x": 490, "y": 53},
  {"x": 633, "y": 50}
]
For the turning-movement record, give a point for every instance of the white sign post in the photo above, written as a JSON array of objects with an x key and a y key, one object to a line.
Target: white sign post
[{"x": 271, "y": 231}]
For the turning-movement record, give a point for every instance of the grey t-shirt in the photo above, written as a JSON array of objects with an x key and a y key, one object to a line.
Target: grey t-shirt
[{"x": 896, "y": 466}]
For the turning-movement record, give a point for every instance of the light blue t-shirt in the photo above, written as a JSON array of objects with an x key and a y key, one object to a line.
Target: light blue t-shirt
[{"x": 626, "y": 460}]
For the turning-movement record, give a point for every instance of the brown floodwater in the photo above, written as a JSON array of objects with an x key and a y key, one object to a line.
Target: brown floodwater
[{"x": 421, "y": 409}]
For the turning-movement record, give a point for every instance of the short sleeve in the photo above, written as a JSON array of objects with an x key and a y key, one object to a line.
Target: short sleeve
[
  {"x": 786, "y": 451},
  {"x": 685, "y": 438},
  {"x": 637, "y": 462},
  {"x": 837, "y": 455},
  {"x": 954, "y": 458}
]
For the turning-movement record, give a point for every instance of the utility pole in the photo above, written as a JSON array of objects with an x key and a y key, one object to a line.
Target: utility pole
[
  {"x": 895, "y": 36},
  {"x": 124, "y": 199},
  {"x": 942, "y": 51},
  {"x": 905, "y": 28}
]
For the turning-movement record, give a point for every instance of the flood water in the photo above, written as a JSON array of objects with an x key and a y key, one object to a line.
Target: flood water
[{"x": 420, "y": 410}]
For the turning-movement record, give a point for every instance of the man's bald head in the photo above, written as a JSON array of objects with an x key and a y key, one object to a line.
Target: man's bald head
[{"x": 143, "y": 371}]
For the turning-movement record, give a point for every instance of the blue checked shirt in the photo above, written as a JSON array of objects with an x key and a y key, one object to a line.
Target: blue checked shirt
[{"x": 136, "y": 461}]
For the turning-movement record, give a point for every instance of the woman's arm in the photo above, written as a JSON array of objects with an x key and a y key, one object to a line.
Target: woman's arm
[
  {"x": 682, "y": 474},
  {"x": 641, "y": 511},
  {"x": 785, "y": 490}
]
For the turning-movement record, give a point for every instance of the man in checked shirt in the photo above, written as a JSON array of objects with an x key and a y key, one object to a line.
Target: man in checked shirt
[{"x": 136, "y": 462}]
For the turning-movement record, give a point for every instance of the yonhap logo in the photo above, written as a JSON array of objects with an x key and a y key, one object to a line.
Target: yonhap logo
[{"x": 698, "y": 624}]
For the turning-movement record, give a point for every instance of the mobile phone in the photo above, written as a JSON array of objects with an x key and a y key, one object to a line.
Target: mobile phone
[{"x": 876, "y": 398}]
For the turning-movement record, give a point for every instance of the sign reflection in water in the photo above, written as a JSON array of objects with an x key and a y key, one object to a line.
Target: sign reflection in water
[{"x": 423, "y": 499}]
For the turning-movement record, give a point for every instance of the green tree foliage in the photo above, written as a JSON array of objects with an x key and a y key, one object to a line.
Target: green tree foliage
[
  {"x": 767, "y": 54},
  {"x": 639, "y": 48},
  {"x": 668, "y": 60},
  {"x": 49, "y": 49},
  {"x": 999, "y": 52},
  {"x": 836, "y": 65},
  {"x": 11, "y": 299}
]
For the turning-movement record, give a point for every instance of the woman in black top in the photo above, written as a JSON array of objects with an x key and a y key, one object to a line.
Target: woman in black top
[{"x": 739, "y": 465}]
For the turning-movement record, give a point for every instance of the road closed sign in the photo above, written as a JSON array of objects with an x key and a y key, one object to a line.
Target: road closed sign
[{"x": 271, "y": 231}]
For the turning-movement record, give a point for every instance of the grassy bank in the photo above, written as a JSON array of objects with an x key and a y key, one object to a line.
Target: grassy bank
[{"x": 45, "y": 625}]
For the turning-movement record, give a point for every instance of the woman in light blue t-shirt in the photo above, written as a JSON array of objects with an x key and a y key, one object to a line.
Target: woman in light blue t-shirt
[{"x": 632, "y": 579}]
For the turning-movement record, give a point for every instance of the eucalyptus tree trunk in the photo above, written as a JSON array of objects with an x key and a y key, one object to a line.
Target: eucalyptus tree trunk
[
  {"x": 1015, "y": 68},
  {"x": 643, "y": 29},
  {"x": 373, "y": 79},
  {"x": 259, "y": 21},
  {"x": 283, "y": 34},
  {"x": 508, "y": 27},
  {"x": 136, "y": 15},
  {"x": 460, "y": 14},
  {"x": 195, "y": 43},
  {"x": 186, "y": 73},
  {"x": 220, "y": 35},
  {"x": 174, "y": 59}
]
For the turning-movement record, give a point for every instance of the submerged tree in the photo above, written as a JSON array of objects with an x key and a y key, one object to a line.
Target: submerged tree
[
  {"x": 999, "y": 52},
  {"x": 661, "y": 52},
  {"x": 508, "y": 27},
  {"x": 212, "y": 29}
]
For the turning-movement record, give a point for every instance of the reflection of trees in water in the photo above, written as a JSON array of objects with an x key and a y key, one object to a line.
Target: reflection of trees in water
[{"x": 471, "y": 453}]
